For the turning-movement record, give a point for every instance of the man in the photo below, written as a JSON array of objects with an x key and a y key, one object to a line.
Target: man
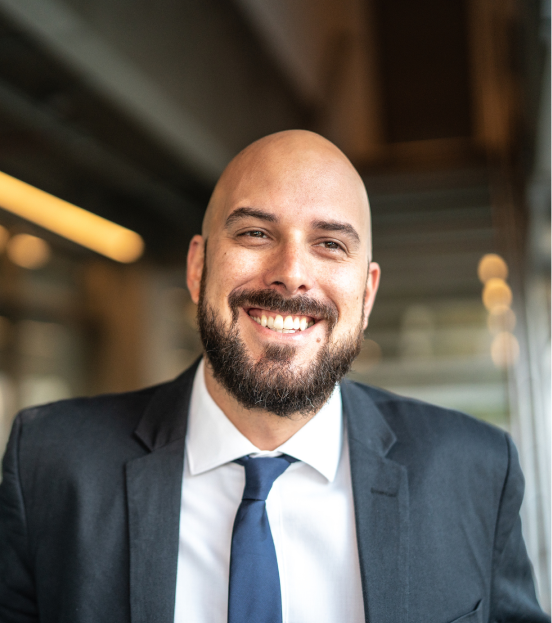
[{"x": 256, "y": 487}]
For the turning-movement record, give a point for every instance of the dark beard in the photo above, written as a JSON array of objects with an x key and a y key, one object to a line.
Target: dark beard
[{"x": 271, "y": 383}]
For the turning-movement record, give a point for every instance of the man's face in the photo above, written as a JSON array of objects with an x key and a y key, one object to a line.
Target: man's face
[{"x": 287, "y": 257}]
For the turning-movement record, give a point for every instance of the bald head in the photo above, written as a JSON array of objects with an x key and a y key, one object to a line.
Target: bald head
[{"x": 288, "y": 161}]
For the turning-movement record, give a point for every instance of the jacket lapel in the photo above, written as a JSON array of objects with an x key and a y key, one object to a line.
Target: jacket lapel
[
  {"x": 154, "y": 485},
  {"x": 380, "y": 492}
]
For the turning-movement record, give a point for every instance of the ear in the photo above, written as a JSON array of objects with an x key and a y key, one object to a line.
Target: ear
[
  {"x": 194, "y": 269},
  {"x": 374, "y": 272}
]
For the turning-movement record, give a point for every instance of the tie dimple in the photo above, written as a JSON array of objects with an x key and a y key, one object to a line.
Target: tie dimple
[{"x": 260, "y": 474}]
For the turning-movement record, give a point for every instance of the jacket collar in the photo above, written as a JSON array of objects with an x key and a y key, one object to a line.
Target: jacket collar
[
  {"x": 166, "y": 416},
  {"x": 365, "y": 422}
]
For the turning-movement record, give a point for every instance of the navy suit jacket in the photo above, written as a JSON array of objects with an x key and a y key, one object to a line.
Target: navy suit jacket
[{"x": 90, "y": 506}]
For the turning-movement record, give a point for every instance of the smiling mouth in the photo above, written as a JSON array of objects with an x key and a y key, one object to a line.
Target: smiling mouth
[{"x": 280, "y": 323}]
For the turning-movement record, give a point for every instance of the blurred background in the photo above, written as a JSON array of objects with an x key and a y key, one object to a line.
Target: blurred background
[{"x": 131, "y": 109}]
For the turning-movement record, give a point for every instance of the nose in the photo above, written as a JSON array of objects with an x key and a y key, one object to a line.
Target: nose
[{"x": 289, "y": 270}]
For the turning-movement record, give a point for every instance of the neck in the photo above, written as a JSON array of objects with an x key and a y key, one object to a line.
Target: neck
[{"x": 264, "y": 430}]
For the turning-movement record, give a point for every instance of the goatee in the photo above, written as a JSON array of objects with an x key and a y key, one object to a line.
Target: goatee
[{"x": 273, "y": 383}]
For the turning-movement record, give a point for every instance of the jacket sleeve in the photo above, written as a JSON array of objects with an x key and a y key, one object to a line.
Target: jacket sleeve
[
  {"x": 513, "y": 596},
  {"x": 17, "y": 590}
]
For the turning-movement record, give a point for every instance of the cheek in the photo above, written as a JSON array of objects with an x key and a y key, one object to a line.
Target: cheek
[
  {"x": 347, "y": 290},
  {"x": 232, "y": 270}
]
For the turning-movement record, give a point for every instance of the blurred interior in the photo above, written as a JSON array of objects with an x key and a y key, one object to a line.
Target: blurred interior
[{"x": 130, "y": 110}]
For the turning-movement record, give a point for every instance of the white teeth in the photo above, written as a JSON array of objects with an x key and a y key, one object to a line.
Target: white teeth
[{"x": 288, "y": 322}]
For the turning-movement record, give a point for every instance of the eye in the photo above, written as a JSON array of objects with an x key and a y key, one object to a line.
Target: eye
[
  {"x": 331, "y": 245},
  {"x": 255, "y": 233}
]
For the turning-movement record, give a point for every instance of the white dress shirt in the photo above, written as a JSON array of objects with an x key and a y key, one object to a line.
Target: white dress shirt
[{"x": 310, "y": 510}]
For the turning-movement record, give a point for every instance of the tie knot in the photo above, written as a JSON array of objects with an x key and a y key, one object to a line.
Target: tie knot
[{"x": 260, "y": 474}]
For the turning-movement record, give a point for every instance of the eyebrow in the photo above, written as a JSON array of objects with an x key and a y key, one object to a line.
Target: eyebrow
[
  {"x": 337, "y": 226},
  {"x": 249, "y": 212}
]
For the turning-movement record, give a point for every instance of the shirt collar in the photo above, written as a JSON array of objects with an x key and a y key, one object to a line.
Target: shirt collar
[{"x": 212, "y": 440}]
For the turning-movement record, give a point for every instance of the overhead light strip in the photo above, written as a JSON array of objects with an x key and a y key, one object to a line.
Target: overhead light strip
[{"x": 67, "y": 220}]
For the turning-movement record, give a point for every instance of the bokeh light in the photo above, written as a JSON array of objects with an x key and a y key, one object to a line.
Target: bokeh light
[
  {"x": 28, "y": 251},
  {"x": 496, "y": 293},
  {"x": 504, "y": 349},
  {"x": 492, "y": 266},
  {"x": 71, "y": 222},
  {"x": 501, "y": 318}
]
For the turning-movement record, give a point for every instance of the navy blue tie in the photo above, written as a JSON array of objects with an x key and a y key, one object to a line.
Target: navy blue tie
[{"x": 254, "y": 591}]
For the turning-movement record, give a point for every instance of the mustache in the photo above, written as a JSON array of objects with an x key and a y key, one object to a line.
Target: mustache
[{"x": 274, "y": 301}]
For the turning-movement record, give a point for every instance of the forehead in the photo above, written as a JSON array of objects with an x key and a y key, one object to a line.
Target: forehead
[{"x": 298, "y": 186}]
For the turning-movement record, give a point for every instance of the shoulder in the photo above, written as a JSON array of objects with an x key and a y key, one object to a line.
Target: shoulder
[
  {"x": 104, "y": 428},
  {"x": 425, "y": 429},
  {"x": 78, "y": 433},
  {"x": 86, "y": 414}
]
